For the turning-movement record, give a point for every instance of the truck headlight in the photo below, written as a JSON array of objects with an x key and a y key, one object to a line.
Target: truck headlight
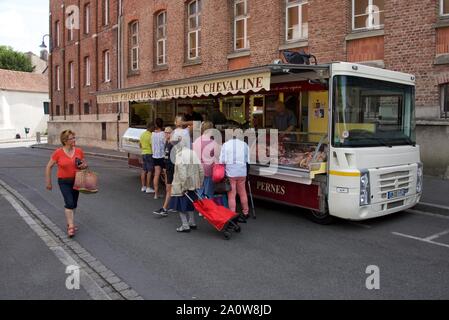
[
  {"x": 419, "y": 178},
  {"x": 365, "y": 193}
]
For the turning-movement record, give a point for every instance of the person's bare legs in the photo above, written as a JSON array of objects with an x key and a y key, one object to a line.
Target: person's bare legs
[
  {"x": 167, "y": 196},
  {"x": 70, "y": 218},
  {"x": 157, "y": 174},
  {"x": 149, "y": 175},
  {"x": 143, "y": 177}
]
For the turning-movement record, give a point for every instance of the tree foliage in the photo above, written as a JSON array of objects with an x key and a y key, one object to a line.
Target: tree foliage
[{"x": 13, "y": 60}]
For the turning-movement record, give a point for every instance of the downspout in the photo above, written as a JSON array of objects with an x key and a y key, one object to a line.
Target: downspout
[
  {"x": 50, "y": 66},
  {"x": 119, "y": 65}
]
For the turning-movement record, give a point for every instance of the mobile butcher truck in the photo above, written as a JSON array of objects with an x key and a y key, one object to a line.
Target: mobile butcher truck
[{"x": 350, "y": 148}]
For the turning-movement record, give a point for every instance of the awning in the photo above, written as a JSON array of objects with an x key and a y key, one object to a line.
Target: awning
[{"x": 233, "y": 82}]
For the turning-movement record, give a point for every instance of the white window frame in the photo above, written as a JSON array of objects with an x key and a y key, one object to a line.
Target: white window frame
[
  {"x": 106, "y": 64},
  {"x": 299, "y": 4},
  {"x": 161, "y": 41},
  {"x": 87, "y": 18},
  {"x": 370, "y": 17},
  {"x": 58, "y": 78},
  {"x": 58, "y": 34},
  {"x": 134, "y": 46},
  {"x": 71, "y": 26},
  {"x": 106, "y": 12},
  {"x": 243, "y": 18},
  {"x": 71, "y": 75},
  {"x": 87, "y": 71},
  {"x": 196, "y": 31},
  {"x": 442, "y": 9}
]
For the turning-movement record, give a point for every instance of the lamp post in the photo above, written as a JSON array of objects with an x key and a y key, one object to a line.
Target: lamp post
[{"x": 43, "y": 46}]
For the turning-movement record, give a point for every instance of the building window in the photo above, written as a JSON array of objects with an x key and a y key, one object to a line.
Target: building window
[
  {"x": 87, "y": 19},
  {"x": 241, "y": 25},
  {"x": 46, "y": 108},
  {"x": 71, "y": 109},
  {"x": 86, "y": 108},
  {"x": 58, "y": 110},
  {"x": 103, "y": 131},
  {"x": 71, "y": 26},
  {"x": 105, "y": 12},
  {"x": 194, "y": 29},
  {"x": 161, "y": 38},
  {"x": 107, "y": 72},
  {"x": 367, "y": 14},
  {"x": 58, "y": 78},
  {"x": 444, "y": 7},
  {"x": 134, "y": 45},
  {"x": 87, "y": 71},
  {"x": 444, "y": 92},
  {"x": 71, "y": 76},
  {"x": 296, "y": 20},
  {"x": 57, "y": 40}
]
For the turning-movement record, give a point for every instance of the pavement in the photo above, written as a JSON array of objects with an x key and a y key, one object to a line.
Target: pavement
[{"x": 434, "y": 198}]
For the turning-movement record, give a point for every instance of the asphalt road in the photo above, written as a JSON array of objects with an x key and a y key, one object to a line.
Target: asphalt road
[{"x": 281, "y": 255}]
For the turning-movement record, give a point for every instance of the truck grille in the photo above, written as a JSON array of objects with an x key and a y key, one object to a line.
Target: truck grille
[{"x": 394, "y": 181}]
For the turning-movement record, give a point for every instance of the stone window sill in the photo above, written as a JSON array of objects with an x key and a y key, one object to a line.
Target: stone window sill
[
  {"x": 239, "y": 54},
  {"x": 157, "y": 68},
  {"x": 441, "y": 59},
  {"x": 190, "y": 63},
  {"x": 133, "y": 73},
  {"x": 293, "y": 45},
  {"x": 365, "y": 34},
  {"x": 442, "y": 22}
]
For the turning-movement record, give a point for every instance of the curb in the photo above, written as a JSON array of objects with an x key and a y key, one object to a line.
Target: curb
[
  {"x": 94, "y": 154},
  {"x": 432, "y": 208}
]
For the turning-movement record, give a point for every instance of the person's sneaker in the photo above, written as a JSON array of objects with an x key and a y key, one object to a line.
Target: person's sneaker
[
  {"x": 171, "y": 211},
  {"x": 144, "y": 189},
  {"x": 183, "y": 229},
  {"x": 156, "y": 197},
  {"x": 150, "y": 190},
  {"x": 161, "y": 212}
]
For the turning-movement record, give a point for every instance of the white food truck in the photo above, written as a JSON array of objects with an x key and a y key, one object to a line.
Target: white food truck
[{"x": 353, "y": 152}]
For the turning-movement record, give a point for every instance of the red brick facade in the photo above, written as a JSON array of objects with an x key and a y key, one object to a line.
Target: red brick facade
[{"x": 414, "y": 39}]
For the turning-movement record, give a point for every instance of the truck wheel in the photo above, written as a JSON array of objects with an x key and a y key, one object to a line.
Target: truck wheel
[{"x": 323, "y": 218}]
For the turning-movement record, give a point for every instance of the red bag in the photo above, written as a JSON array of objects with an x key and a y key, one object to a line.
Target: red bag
[
  {"x": 218, "y": 172},
  {"x": 86, "y": 182},
  {"x": 216, "y": 215}
]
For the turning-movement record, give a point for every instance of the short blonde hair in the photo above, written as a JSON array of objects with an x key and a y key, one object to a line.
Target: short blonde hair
[
  {"x": 65, "y": 136},
  {"x": 207, "y": 125}
]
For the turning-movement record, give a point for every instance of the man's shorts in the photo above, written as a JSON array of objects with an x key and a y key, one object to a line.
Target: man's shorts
[{"x": 148, "y": 163}]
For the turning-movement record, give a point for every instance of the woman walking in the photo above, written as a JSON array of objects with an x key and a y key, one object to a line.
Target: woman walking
[
  {"x": 158, "y": 142},
  {"x": 169, "y": 172},
  {"x": 68, "y": 159},
  {"x": 188, "y": 177}
]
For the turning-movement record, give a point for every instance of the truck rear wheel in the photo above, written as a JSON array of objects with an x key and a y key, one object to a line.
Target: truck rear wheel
[{"x": 323, "y": 218}]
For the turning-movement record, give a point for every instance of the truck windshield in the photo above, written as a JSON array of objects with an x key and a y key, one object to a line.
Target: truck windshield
[{"x": 371, "y": 113}]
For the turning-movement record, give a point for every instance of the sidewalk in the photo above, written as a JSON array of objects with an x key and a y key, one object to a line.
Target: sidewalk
[
  {"x": 43, "y": 139},
  {"x": 29, "y": 269}
]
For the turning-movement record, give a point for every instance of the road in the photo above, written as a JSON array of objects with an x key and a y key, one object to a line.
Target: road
[{"x": 281, "y": 255}]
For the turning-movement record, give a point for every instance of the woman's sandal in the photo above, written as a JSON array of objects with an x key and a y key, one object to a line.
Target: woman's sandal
[{"x": 71, "y": 231}]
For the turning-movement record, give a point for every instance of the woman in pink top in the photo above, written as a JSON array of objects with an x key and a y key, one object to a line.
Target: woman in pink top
[{"x": 208, "y": 152}]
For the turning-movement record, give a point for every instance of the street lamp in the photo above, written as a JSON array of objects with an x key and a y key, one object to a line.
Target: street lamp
[{"x": 43, "y": 46}]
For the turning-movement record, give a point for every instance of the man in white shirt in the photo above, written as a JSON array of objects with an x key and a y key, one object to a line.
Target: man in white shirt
[{"x": 235, "y": 156}]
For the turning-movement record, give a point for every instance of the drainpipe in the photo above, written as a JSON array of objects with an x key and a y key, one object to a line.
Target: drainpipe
[{"x": 119, "y": 65}]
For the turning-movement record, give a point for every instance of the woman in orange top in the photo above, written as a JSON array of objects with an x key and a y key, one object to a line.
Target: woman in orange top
[{"x": 68, "y": 159}]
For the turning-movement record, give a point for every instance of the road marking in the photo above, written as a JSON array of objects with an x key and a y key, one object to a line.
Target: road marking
[
  {"x": 421, "y": 239},
  {"x": 434, "y": 215},
  {"x": 433, "y": 237},
  {"x": 439, "y": 206}
]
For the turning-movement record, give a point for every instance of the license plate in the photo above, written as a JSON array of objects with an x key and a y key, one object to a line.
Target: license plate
[{"x": 397, "y": 193}]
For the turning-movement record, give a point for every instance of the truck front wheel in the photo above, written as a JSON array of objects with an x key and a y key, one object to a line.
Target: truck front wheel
[{"x": 323, "y": 218}]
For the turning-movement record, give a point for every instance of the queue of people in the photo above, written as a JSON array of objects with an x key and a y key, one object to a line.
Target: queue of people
[{"x": 187, "y": 168}]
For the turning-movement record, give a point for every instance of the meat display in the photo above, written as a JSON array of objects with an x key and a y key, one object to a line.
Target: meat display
[{"x": 297, "y": 155}]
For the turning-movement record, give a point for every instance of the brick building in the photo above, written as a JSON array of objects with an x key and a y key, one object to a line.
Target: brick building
[{"x": 130, "y": 43}]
